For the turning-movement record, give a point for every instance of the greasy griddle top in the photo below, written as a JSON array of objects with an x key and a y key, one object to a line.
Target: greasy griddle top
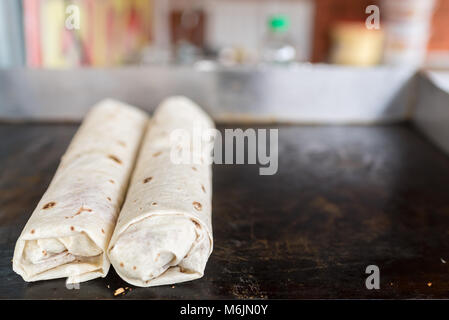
[{"x": 343, "y": 198}]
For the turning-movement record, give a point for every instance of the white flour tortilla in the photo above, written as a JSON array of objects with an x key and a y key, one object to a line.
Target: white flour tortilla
[
  {"x": 164, "y": 232},
  {"x": 68, "y": 232}
]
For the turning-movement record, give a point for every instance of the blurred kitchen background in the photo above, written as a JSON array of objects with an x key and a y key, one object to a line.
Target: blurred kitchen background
[{"x": 207, "y": 33}]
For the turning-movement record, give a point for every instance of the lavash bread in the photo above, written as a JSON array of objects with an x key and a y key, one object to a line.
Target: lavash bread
[
  {"x": 164, "y": 231},
  {"x": 68, "y": 232}
]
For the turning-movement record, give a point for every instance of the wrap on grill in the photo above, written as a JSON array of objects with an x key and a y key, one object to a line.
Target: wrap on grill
[
  {"x": 68, "y": 232},
  {"x": 164, "y": 232}
]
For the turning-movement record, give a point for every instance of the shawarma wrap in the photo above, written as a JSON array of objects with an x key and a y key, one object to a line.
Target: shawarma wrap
[
  {"x": 68, "y": 232},
  {"x": 164, "y": 232}
]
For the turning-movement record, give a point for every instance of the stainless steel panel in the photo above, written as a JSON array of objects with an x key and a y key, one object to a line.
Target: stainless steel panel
[{"x": 305, "y": 93}]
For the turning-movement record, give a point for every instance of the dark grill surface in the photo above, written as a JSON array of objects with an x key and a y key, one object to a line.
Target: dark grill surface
[{"x": 343, "y": 198}]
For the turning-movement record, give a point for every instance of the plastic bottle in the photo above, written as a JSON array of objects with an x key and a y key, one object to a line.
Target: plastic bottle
[{"x": 277, "y": 46}]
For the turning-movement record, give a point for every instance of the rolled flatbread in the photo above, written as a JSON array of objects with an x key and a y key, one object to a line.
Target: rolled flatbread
[
  {"x": 164, "y": 232},
  {"x": 68, "y": 232}
]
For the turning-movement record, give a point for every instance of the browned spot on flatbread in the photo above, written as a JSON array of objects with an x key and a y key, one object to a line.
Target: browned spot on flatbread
[
  {"x": 134, "y": 267},
  {"x": 122, "y": 264},
  {"x": 80, "y": 210},
  {"x": 154, "y": 203},
  {"x": 196, "y": 223},
  {"x": 202, "y": 188},
  {"x": 198, "y": 206},
  {"x": 32, "y": 231},
  {"x": 114, "y": 158},
  {"x": 44, "y": 252},
  {"x": 122, "y": 143},
  {"x": 157, "y": 257},
  {"x": 194, "y": 169},
  {"x": 111, "y": 181},
  {"x": 49, "y": 205},
  {"x": 72, "y": 228},
  {"x": 102, "y": 230},
  {"x": 146, "y": 180},
  {"x": 156, "y": 154},
  {"x": 109, "y": 198}
]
